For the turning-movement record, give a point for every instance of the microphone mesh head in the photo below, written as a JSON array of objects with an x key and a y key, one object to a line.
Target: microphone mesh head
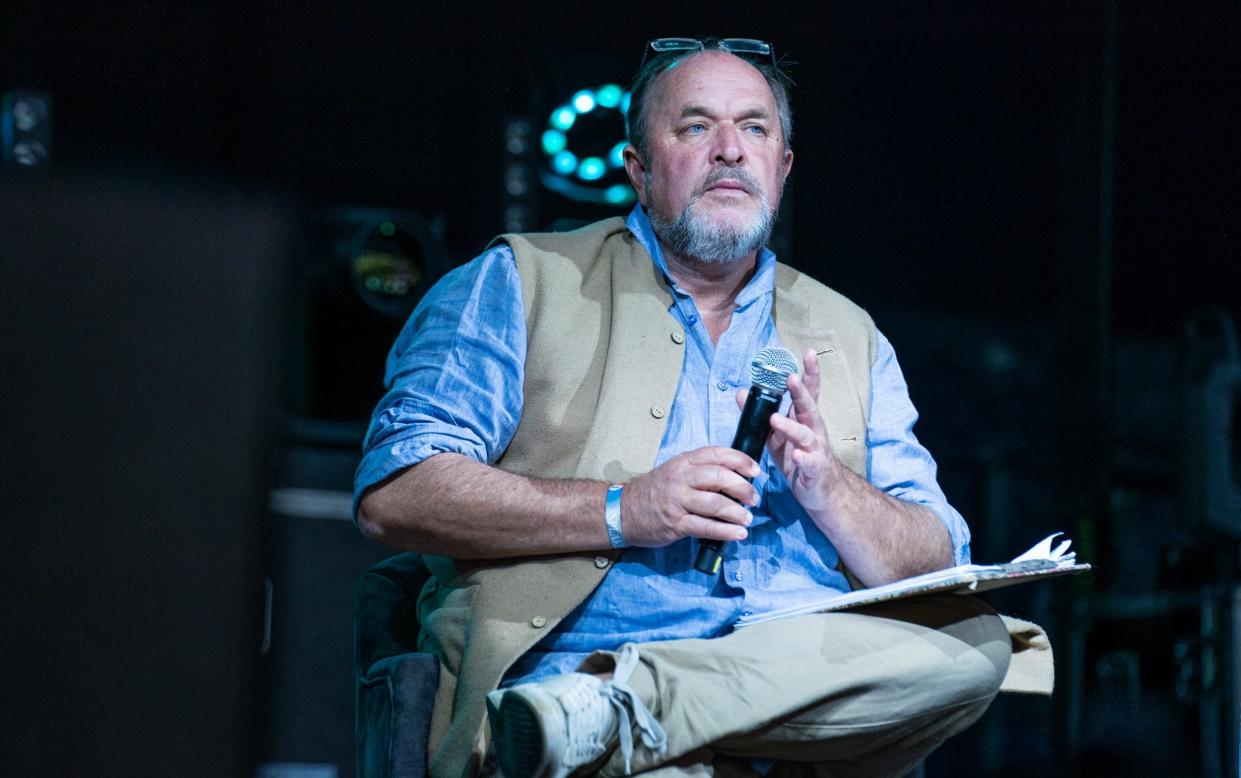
[{"x": 772, "y": 367}]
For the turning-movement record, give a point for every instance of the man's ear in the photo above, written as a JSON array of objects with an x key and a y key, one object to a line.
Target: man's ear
[
  {"x": 788, "y": 162},
  {"x": 635, "y": 168}
]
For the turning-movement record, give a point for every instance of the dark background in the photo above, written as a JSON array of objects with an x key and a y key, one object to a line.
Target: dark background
[{"x": 1031, "y": 199}]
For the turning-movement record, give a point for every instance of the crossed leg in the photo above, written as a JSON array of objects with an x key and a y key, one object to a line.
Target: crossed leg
[{"x": 863, "y": 693}]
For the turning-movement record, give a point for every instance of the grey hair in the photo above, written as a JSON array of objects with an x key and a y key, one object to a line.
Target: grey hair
[{"x": 661, "y": 62}]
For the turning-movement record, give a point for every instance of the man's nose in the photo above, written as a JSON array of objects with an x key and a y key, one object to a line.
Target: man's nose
[{"x": 728, "y": 145}]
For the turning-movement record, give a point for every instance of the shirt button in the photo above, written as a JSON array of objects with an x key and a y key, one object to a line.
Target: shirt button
[
  {"x": 678, "y": 337},
  {"x": 722, "y": 385},
  {"x": 601, "y": 562},
  {"x": 538, "y": 622},
  {"x": 738, "y": 575},
  {"x": 692, "y": 319},
  {"x": 657, "y": 412}
]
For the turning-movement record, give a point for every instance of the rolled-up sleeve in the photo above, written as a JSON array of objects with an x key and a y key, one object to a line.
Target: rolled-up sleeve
[
  {"x": 454, "y": 376},
  {"x": 898, "y": 464}
]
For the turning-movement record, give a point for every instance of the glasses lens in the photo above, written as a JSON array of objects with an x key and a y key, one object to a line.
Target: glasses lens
[
  {"x": 675, "y": 44},
  {"x": 746, "y": 46}
]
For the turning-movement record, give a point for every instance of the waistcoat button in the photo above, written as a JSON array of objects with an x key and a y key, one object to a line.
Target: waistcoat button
[
  {"x": 657, "y": 412},
  {"x": 601, "y": 562},
  {"x": 538, "y": 622},
  {"x": 678, "y": 337}
]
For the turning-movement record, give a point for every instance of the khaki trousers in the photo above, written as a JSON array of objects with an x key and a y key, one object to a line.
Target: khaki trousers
[{"x": 865, "y": 693}]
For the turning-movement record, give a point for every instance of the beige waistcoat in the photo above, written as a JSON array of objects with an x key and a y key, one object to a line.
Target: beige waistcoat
[{"x": 603, "y": 361}]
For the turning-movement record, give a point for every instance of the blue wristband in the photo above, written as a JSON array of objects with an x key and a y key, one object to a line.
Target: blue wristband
[{"x": 611, "y": 516}]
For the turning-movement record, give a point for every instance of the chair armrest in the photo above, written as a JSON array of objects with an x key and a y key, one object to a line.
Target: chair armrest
[
  {"x": 385, "y": 610},
  {"x": 394, "y": 701}
]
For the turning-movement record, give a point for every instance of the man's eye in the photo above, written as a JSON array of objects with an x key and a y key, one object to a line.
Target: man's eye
[
  {"x": 756, "y": 129},
  {"x": 695, "y": 129}
]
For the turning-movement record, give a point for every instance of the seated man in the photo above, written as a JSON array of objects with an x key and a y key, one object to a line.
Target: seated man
[{"x": 554, "y": 440}]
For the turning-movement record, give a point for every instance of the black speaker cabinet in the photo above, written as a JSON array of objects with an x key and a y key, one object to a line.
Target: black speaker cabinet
[{"x": 141, "y": 332}]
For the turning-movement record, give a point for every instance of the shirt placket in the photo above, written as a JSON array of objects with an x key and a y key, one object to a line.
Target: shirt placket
[{"x": 728, "y": 368}]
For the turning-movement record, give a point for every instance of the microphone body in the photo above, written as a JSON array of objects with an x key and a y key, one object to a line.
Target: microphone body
[
  {"x": 755, "y": 425},
  {"x": 770, "y": 370}
]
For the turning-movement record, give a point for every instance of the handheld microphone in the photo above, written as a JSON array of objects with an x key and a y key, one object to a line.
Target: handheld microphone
[{"x": 769, "y": 376}]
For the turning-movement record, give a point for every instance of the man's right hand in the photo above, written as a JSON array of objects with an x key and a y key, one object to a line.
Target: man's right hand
[{"x": 695, "y": 494}]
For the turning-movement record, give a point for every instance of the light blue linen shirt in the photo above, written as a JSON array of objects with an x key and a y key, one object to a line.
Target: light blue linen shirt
[{"x": 454, "y": 380}]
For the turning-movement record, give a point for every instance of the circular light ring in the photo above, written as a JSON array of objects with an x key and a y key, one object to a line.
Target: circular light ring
[
  {"x": 563, "y": 117},
  {"x": 616, "y": 157},
  {"x": 614, "y": 195},
  {"x": 619, "y": 194},
  {"x": 564, "y": 162},
  {"x": 591, "y": 169},
  {"x": 584, "y": 101},
  {"x": 554, "y": 141},
  {"x": 609, "y": 95}
]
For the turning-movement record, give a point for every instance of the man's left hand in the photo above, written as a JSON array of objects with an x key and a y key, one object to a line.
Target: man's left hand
[
  {"x": 799, "y": 441},
  {"x": 881, "y": 538}
]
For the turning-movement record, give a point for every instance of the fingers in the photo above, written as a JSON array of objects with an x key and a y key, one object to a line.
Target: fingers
[
  {"x": 811, "y": 373},
  {"x": 793, "y": 431},
  {"x": 696, "y": 494},
  {"x": 712, "y": 529},
  {"x": 729, "y": 458},
  {"x": 718, "y": 493},
  {"x": 805, "y": 407},
  {"x": 718, "y": 508},
  {"x": 721, "y": 480}
]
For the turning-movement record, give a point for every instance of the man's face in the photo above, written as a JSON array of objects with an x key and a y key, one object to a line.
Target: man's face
[{"x": 717, "y": 162}]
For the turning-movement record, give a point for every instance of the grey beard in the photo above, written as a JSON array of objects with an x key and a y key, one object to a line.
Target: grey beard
[{"x": 690, "y": 235}]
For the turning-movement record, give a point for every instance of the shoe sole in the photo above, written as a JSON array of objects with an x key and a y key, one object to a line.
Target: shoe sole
[{"x": 523, "y": 748}]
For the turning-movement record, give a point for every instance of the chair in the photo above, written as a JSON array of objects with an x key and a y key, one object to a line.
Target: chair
[{"x": 395, "y": 683}]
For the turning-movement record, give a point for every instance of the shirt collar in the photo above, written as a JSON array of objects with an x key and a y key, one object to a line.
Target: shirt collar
[{"x": 762, "y": 282}]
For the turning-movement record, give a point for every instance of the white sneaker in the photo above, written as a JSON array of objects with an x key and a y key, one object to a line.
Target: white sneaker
[{"x": 550, "y": 728}]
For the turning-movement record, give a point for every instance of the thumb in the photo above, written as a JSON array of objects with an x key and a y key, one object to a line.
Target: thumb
[{"x": 741, "y": 395}]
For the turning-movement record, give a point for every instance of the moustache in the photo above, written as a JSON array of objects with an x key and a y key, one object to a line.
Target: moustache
[{"x": 734, "y": 175}]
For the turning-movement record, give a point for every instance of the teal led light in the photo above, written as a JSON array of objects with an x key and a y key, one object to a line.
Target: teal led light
[
  {"x": 616, "y": 157},
  {"x": 585, "y": 160},
  {"x": 554, "y": 141},
  {"x": 564, "y": 162},
  {"x": 624, "y": 103},
  {"x": 618, "y": 194},
  {"x": 609, "y": 95},
  {"x": 584, "y": 101},
  {"x": 563, "y": 118},
  {"x": 591, "y": 169}
]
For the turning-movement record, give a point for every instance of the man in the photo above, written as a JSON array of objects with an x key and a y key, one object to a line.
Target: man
[{"x": 554, "y": 439}]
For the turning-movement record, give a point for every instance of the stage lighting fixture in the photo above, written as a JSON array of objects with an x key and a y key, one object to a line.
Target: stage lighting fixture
[
  {"x": 518, "y": 193},
  {"x": 554, "y": 141},
  {"x": 582, "y": 147},
  {"x": 564, "y": 162},
  {"x": 591, "y": 169},
  {"x": 372, "y": 267},
  {"x": 517, "y": 179},
  {"x": 517, "y": 137},
  {"x": 388, "y": 255},
  {"x": 26, "y": 129}
]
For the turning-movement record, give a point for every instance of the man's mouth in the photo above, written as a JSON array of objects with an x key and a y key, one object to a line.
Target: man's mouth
[{"x": 729, "y": 184}]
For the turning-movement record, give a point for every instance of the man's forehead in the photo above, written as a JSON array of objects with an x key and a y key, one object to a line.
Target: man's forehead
[{"x": 712, "y": 74}]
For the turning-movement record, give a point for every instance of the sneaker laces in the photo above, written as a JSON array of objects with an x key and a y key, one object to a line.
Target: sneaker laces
[{"x": 622, "y": 697}]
